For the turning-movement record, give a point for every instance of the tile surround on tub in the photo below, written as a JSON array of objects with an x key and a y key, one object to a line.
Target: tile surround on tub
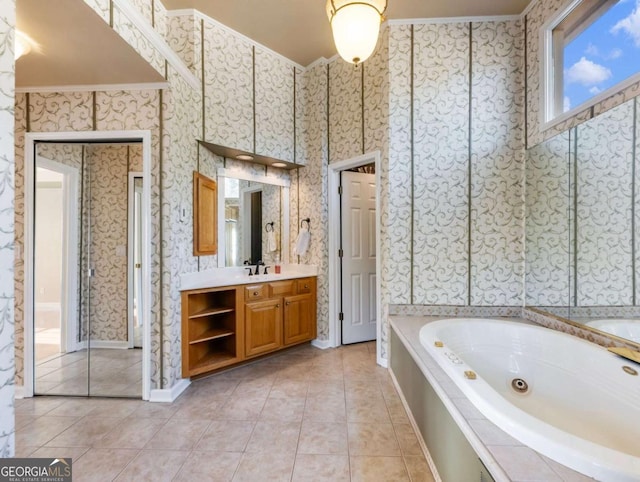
[{"x": 447, "y": 310}]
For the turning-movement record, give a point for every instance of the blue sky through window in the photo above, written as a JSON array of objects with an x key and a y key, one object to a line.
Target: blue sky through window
[{"x": 604, "y": 54}]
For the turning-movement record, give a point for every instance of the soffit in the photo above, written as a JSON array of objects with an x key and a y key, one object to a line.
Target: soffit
[{"x": 76, "y": 47}]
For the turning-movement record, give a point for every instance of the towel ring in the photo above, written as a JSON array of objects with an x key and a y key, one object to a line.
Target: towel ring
[
  {"x": 308, "y": 221},
  {"x": 268, "y": 227}
]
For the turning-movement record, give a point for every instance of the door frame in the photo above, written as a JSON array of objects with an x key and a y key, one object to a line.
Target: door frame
[
  {"x": 105, "y": 137},
  {"x": 131, "y": 250},
  {"x": 70, "y": 210},
  {"x": 335, "y": 168}
]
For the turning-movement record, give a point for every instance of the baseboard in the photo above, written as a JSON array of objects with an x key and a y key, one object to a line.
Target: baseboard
[
  {"x": 383, "y": 362},
  {"x": 116, "y": 345},
  {"x": 322, "y": 344},
  {"x": 19, "y": 391},
  {"x": 416, "y": 429},
  {"x": 168, "y": 395}
]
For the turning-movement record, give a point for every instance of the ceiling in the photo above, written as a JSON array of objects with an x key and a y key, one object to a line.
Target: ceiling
[
  {"x": 299, "y": 29},
  {"x": 76, "y": 47}
]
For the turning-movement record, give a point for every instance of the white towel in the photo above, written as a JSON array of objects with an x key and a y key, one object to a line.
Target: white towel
[
  {"x": 302, "y": 242},
  {"x": 271, "y": 242}
]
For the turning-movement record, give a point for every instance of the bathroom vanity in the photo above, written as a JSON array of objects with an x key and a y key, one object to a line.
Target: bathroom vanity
[{"x": 229, "y": 317}]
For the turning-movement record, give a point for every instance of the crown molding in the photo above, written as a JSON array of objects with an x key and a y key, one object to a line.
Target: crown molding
[{"x": 93, "y": 87}]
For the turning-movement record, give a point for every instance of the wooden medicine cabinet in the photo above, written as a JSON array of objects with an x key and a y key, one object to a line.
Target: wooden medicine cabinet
[{"x": 205, "y": 215}]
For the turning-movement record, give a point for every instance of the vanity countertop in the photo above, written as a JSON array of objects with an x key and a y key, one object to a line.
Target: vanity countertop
[{"x": 214, "y": 278}]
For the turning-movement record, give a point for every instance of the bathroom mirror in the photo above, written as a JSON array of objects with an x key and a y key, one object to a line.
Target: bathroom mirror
[
  {"x": 254, "y": 219},
  {"x": 583, "y": 206}
]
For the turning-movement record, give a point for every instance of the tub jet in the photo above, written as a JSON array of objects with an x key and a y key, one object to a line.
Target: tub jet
[{"x": 519, "y": 385}]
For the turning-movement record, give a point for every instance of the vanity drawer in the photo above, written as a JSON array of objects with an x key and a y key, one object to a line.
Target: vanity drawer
[
  {"x": 305, "y": 285},
  {"x": 256, "y": 292},
  {"x": 281, "y": 288}
]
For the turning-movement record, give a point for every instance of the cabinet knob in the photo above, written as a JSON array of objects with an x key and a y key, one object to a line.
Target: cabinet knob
[
  {"x": 288, "y": 303},
  {"x": 306, "y": 287},
  {"x": 255, "y": 293},
  {"x": 278, "y": 305}
]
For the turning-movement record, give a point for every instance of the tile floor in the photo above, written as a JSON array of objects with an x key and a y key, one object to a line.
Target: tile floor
[
  {"x": 307, "y": 414},
  {"x": 106, "y": 372}
]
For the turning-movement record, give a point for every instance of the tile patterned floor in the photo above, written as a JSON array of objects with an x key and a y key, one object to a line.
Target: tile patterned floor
[
  {"x": 305, "y": 415},
  {"x": 106, "y": 372}
]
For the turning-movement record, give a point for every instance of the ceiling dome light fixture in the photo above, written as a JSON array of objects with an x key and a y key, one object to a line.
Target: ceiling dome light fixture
[
  {"x": 355, "y": 26},
  {"x": 23, "y": 44}
]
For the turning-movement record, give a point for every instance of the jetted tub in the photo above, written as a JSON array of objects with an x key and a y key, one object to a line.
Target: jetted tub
[
  {"x": 566, "y": 398},
  {"x": 629, "y": 329}
]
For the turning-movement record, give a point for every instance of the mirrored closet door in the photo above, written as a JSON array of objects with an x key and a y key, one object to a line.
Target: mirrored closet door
[{"x": 87, "y": 264}]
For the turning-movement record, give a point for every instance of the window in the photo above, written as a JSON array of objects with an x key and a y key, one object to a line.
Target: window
[{"x": 590, "y": 49}]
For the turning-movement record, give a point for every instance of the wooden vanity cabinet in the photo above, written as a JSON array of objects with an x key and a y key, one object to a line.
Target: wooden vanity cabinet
[
  {"x": 263, "y": 327},
  {"x": 212, "y": 329},
  {"x": 224, "y": 326},
  {"x": 300, "y": 314}
]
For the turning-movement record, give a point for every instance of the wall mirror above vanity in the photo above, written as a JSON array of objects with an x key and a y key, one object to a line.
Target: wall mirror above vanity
[
  {"x": 253, "y": 214},
  {"x": 583, "y": 213}
]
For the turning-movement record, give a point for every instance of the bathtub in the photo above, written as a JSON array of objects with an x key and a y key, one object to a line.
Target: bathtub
[
  {"x": 564, "y": 397},
  {"x": 629, "y": 329}
]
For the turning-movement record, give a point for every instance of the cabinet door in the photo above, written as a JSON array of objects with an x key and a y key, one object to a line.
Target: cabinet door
[
  {"x": 299, "y": 319},
  {"x": 205, "y": 215},
  {"x": 263, "y": 326}
]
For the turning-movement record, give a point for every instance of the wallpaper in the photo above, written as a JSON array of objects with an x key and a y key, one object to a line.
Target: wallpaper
[
  {"x": 541, "y": 12},
  {"x": 312, "y": 184},
  {"x": 274, "y": 116},
  {"x": 345, "y": 110},
  {"x": 181, "y": 34},
  {"x": 397, "y": 272},
  {"x": 441, "y": 164},
  {"x": 497, "y": 164},
  {"x": 604, "y": 171},
  {"x": 548, "y": 231},
  {"x": 228, "y": 88},
  {"x": 179, "y": 162},
  {"x": 7, "y": 361}
]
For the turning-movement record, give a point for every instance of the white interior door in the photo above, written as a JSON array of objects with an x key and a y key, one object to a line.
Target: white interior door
[{"x": 358, "y": 207}]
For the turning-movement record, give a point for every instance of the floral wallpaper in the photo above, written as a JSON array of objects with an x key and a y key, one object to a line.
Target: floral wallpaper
[
  {"x": 228, "y": 88},
  {"x": 312, "y": 184},
  {"x": 274, "y": 116},
  {"x": 548, "y": 230},
  {"x": 179, "y": 162},
  {"x": 345, "y": 110},
  {"x": 497, "y": 164},
  {"x": 7, "y": 360},
  {"x": 181, "y": 35},
  {"x": 441, "y": 164},
  {"x": 397, "y": 272},
  {"x": 604, "y": 167}
]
